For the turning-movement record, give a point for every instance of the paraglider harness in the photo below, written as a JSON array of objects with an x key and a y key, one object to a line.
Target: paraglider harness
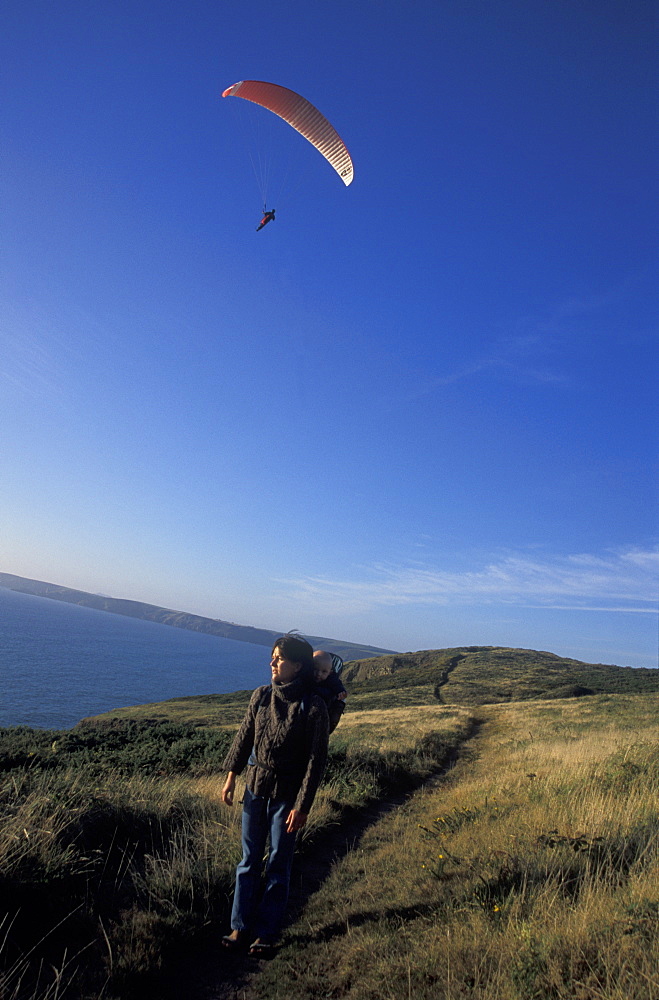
[{"x": 268, "y": 216}]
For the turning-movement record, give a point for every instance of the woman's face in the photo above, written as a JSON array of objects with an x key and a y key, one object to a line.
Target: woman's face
[{"x": 283, "y": 670}]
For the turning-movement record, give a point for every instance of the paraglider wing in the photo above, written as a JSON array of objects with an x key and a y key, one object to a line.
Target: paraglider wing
[{"x": 302, "y": 116}]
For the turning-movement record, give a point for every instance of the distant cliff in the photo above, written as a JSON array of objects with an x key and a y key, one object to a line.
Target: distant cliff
[{"x": 179, "y": 619}]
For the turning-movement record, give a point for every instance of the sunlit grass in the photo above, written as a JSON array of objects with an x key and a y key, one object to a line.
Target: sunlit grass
[
  {"x": 367, "y": 700},
  {"x": 399, "y": 728},
  {"x": 212, "y": 710},
  {"x": 474, "y": 675},
  {"x": 131, "y": 867},
  {"x": 530, "y": 872}
]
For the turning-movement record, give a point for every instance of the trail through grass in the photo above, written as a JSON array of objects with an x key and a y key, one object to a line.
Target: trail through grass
[
  {"x": 111, "y": 848},
  {"x": 531, "y": 871}
]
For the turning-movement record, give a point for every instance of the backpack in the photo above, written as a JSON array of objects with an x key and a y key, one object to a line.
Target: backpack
[{"x": 337, "y": 663}]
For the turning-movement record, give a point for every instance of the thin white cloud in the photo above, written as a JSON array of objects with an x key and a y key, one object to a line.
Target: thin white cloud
[
  {"x": 506, "y": 369},
  {"x": 31, "y": 354},
  {"x": 585, "y": 607},
  {"x": 535, "y": 349},
  {"x": 624, "y": 581}
]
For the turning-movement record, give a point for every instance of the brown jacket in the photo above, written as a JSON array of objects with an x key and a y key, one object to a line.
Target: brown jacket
[{"x": 288, "y": 737}]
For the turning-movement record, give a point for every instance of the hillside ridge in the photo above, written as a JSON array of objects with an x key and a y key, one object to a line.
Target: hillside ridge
[
  {"x": 466, "y": 676},
  {"x": 178, "y": 619},
  {"x": 475, "y": 675}
]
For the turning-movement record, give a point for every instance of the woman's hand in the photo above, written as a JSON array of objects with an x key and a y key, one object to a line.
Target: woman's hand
[
  {"x": 229, "y": 788},
  {"x": 295, "y": 820}
]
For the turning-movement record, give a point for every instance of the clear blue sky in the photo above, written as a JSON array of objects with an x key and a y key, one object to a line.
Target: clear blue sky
[{"x": 416, "y": 412}]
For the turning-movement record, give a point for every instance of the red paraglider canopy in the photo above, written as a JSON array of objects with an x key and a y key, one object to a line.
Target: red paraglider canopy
[{"x": 302, "y": 116}]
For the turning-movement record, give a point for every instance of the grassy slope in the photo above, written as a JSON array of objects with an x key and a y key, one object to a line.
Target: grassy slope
[
  {"x": 469, "y": 675},
  {"x": 532, "y": 871},
  {"x": 212, "y": 710},
  {"x": 476, "y": 675},
  {"x": 116, "y": 858},
  {"x": 476, "y": 904}
]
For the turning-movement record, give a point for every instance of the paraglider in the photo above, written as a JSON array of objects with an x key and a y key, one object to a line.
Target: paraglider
[
  {"x": 267, "y": 217},
  {"x": 306, "y": 119}
]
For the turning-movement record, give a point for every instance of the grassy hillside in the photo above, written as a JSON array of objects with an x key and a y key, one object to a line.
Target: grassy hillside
[
  {"x": 468, "y": 675},
  {"x": 531, "y": 870},
  {"x": 478, "y": 675},
  {"x": 211, "y": 710},
  {"x": 117, "y": 855}
]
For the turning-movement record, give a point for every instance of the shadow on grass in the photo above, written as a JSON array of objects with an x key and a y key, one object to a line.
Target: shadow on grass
[{"x": 218, "y": 974}]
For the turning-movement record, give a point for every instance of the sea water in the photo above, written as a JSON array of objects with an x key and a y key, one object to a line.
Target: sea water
[{"x": 60, "y": 662}]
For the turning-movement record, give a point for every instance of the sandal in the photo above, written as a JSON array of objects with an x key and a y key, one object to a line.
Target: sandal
[
  {"x": 262, "y": 949},
  {"x": 234, "y": 941}
]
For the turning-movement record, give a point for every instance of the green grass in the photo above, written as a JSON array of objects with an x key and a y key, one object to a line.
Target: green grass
[
  {"x": 124, "y": 746},
  {"x": 467, "y": 675},
  {"x": 530, "y": 871},
  {"x": 199, "y": 710},
  {"x": 85, "y": 857},
  {"x": 115, "y": 844},
  {"x": 364, "y": 697},
  {"x": 488, "y": 675}
]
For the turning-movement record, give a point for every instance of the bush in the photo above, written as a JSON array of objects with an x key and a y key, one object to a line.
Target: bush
[
  {"x": 635, "y": 764},
  {"x": 569, "y": 691},
  {"x": 79, "y": 858},
  {"x": 124, "y": 746}
]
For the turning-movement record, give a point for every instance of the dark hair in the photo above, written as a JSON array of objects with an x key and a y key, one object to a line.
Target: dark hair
[{"x": 296, "y": 649}]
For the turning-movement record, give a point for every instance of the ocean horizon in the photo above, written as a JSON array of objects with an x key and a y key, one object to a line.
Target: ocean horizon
[{"x": 60, "y": 662}]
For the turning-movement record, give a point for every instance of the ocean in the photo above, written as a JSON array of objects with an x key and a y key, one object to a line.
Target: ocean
[{"x": 60, "y": 662}]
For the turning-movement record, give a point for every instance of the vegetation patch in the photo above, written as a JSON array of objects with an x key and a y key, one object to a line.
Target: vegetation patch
[
  {"x": 116, "y": 844},
  {"x": 80, "y": 852},
  {"x": 529, "y": 870},
  {"x": 212, "y": 710},
  {"x": 126, "y": 746},
  {"x": 520, "y": 875},
  {"x": 476, "y": 675}
]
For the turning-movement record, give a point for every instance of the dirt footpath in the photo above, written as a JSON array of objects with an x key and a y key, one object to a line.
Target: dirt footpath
[{"x": 224, "y": 975}]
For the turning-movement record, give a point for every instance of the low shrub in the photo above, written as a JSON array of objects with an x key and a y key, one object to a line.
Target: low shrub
[
  {"x": 78, "y": 854},
  {"x": 123, "y": 746}
]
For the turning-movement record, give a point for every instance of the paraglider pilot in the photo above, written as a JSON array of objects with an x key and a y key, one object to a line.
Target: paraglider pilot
[{"x": 267, "y": 217}]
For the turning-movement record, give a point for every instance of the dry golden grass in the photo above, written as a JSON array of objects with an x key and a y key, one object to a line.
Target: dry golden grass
[
  {"x": 536, "y": 875},
  {"x": 376, "y": 734},
  {"x": 155, "y": 853},
  {"x": 211, "y": 710},
  {"x": 400, "y": 728},
  {"x": 530, "y": 871}
]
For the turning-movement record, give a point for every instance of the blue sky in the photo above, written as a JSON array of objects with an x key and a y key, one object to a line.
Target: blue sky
[{"x": 416, "y": 412}]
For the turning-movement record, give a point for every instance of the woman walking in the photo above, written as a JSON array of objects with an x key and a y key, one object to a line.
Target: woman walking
[{"x": 282, "y": 742}]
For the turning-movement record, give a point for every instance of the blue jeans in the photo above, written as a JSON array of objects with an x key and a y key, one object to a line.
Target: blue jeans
[{"x": 264, "y": 914}]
